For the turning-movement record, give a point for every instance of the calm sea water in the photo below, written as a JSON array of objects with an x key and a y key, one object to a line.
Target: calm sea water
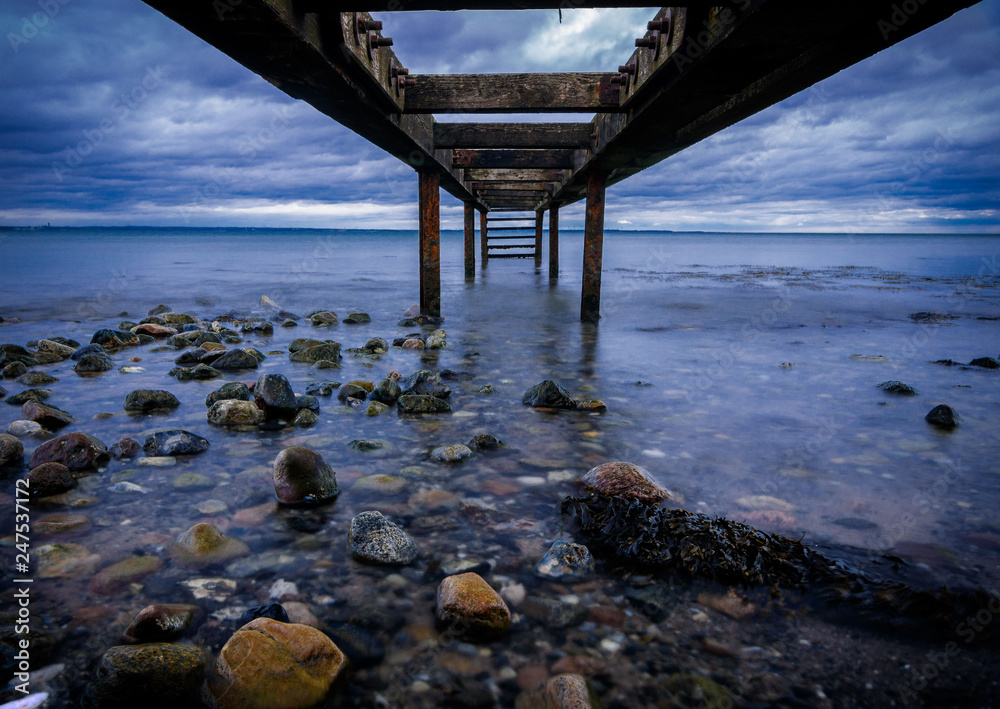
[{"x": 741, "y": 370}]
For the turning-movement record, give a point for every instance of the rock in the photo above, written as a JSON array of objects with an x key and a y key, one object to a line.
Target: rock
[
  {"x": 148, "y": 400},
  {"x": 305, "y": 418},
  {"x": 548, "y": 395},
  {"x": 375, "y": 408},
  {"x": 566, "y": 561},
  {"x": 565, "y": 691},
  {"x": 36, "y": 379},
  {"x": 236, "y": 359},
  {"x": 153, "y": 676},
  {"x": 322, "y": 388},
  {"x": 50, "y": 479},
  {"x": 160, "y": 309},
  {"x": 180, "y": 319},
  {"x": 11, "y": 451},
  {"x": 174, "y": 442},
  {"x": 126, "y": 448},
  {"x": 154, "y": 330},
  {"x": 323, "y": 317},
  {"x": 193, "y": 481},
  {"x": 620, "y": 479},
  {"x": 274, "y": 611},
  {"x": 259, "y": 327},
  {"x": 236, "y": 391},
  {"x": 351, "y": 391},
  {"x": 302, "y": 477},
  {"x": 376, "y": 345},
  {"x": 451, "y": 454},
  {"x": 468, "y": 601},
  {"x": 422, "y": 404},
  {"x": 942, "y": 416},
  {"x": 386, "y": 391},
  {"x": 485, "y": 442},
  {"x": 425, "y": 382},
  {"x": 985, "y": 362},
  {"x": 381, "y": 483},
  {"x": 65, "y": 560},
  {"x": 361, "y": 647},
  {"x": 271, "y": 665},
  {"x": 274, "y": 396},
  {"x": 77, "y": 451},
  {"x": 487, "y": 389},
  {"x": 113, "y": 339},
  {"x": 307, "y": 401},
  {"x": 14, "y": 370},
  {"x": 82, "y": 352},
  {"x": 233, "y": 412},
  {"x": 591, "y": 405},
  {"x": 26, "y": 428},
  {"x": 412, "y": 343},
  {"x": 555, "y": 613},
  {"x": 59, "y": 525},
  {"x": 374, "y": 539},
  {"x": 894, "y": 387},
  {"x": 48, "y": 416},
  {"x": 119, "y": 576},
  {"x": 205, "y": 544},
  {"x": 59, "y": 349},
  {"x": 29, "y": 395},
  {"x": 160, "y": 622},
  {"x": 357, "y": 318},
  {"x": 92, "y": 363},
  {"x": 3, "y": 392},
  {"x": 200, "y": 372}
]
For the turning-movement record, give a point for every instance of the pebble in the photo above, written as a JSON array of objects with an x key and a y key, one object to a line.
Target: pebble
[
  {"x": 451, "y": 454},
  {"x": 374, "y": 539},
  {"x": 205, "y": 544},
  {"x": 943, "y": 416},
  {"x": 156, "y": 461},
  {"x": 467, "y": 600},
  {"x": 566, "y": 561},
  {"x": 302, "y": 477}
]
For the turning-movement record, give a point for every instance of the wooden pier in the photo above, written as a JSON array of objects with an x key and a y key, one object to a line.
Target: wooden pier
[{"x": 698, "y": 68}]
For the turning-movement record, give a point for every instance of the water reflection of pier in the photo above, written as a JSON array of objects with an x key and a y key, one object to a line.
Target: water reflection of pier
[{"x": 697, "y": 69}]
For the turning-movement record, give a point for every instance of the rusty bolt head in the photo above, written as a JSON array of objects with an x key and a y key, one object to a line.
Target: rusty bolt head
[
  {"x": 627, "y": 68},
  {"x": 407, "y": 81},
  {"x": 397, "y": 71},
  {"x": 365, "y": 25},
  {"x": 375, "y": 41},
  {"x": 659, "y": 25},
  {"x": 648, "y": 42}
]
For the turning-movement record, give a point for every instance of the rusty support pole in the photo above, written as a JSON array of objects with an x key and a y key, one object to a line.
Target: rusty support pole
[
  {"x": 553, "y": 242},
  {"x": 470, "y": 240},
  {"x": 430, "y": 244},
  {"x": 484, "y": 249},
  {"x": 593, "y": 248},
  {"x": 539, "y": 216}
]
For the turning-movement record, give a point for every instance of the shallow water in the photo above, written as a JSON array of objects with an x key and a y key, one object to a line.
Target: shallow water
[{"x": 726, "y": 364}]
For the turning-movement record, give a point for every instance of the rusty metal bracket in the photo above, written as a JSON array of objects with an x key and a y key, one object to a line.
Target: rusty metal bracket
[{"x": 609, "y": 91}]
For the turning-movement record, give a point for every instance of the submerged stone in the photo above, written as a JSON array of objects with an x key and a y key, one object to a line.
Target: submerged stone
[
  {"x": 174, "y": 442},
  {"x": 77, "y": 451},
  {"x": 894, "y": 387},
  {"x": 422, "y": 404},
  {"x": 160, "y": 622},
  {"x": 147, "y": 400},
  {"x": 120, "y": 575},
  {"x": 302, "y": 477},
  {"x": 548, "y": 395},
  {"x": 374, "y": 539},
  {"x": 468, "y": 601},
  {"x": 942, "y": 416},
  {"x": 566, "y": 561},
  {"x": 205, "y": 544}
]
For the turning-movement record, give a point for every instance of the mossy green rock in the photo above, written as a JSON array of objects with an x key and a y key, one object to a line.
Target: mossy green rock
[
  {"x": 117, "y": 577},
  {"x": 205, "y": 544},
  {"x": 149, "y": 676}
]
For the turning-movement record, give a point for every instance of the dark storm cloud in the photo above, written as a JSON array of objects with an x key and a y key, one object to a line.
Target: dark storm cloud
[{"x": 113, "y": 114}]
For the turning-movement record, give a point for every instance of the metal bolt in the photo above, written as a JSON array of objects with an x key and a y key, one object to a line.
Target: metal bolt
[
  {"x": 659, "y": 25},
  {"x": 407, "y": 81},
  {"x": 627, "y": 68},
  {"x": 651, "y": 42},
  {"x": 365, "y": 25},
  {"x": 374, "y": 41},
  {"x": 398, "y": 71}
]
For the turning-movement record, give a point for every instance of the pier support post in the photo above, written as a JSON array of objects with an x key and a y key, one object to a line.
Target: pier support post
[
  {"x": 470, "y": 240},
  {"x": 593, "y": 248},
  {"x": 484, "y": 249},
  {"x": 430, "y": 243},
  {"x": 553, "y": 242},
  {"x": 539, "y": 216}
]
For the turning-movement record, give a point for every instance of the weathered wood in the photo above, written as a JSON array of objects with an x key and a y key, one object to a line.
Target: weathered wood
[
  {"x": 593, "y": 248},
  {"x": 430, "y": 244},
  {"x": 554, "y": 242},
  {"x": 501, "y": 174},
  {"x": 483, "y": 232},
  {"x": 451, "y": 5},
  {"x": 511, "y": 185},
  {"x": 470, "y": 240},
  {"x": 513, "y": 135},
  {"x": 534, "y": 194},
  {"x": 539, "y": 216},
  {"x": 509, "y": 93},
  {"x": 514, "y": 228},
  {"x": 512, "y": 158},
  {"x": 509, "y": 219}
]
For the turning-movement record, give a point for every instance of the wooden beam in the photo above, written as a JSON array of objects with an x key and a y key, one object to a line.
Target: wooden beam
[
  {"x": 430, "y": 244},
  {"x": 501, "y": 174},
  {"x": 539, "y": 216},
  {"x": 513, "y": 135},
  {"x": 486, "y": 194},
  {"x": 470, "y": 240},
  {"x": 452, "y": 5},
  {"x": 511, "y": 93},
  {"x": 508, "y": 185},
  {"x": 593, "y": 248},
  {"x": 483, "y": 231},
  {"x": 513, "y": 158},
  {"x": 554, "y": 242}
]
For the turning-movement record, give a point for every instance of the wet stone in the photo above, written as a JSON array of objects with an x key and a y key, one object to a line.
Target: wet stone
[
  {"x": 323, "y": 317},
  {"x": 364, "y": 446},
  {"x": 322, "y": 388},
  {"x": 174, "y": 442},
  {"x": 26, "y": 428},
  {"x": 113, "y": 339},
  {"x": 351, "y": 391},
  {"x": 422, "y": 404},
  {"x": 234, "y": 412},
  {"x": 274, "y": 396},
  {"x": 36, "y": 379},
  {"x": 126, "y": 448},
  {"x": 620, "y": 479},
  {"x": 205, "y": 544},
  {"x": 374, "y": 539},
  {"x": 200, "y": 372},
  {"x": 549, "y": 395},
  {"x": 61, "y": 525},
  {"x": 46, "y": 415},
  {"x": 266, "y": 660},
  {"x": 566, "y": 561},
  {"x": 302, "y": 477},
  {"x": 77, "y": 451},
  {"x": 985, "y": 363},
  {"x": 235, "y": 391},
  {"x": 192, "y": 481},
  {"x": 357, "y": 318},
  {"x": 554, "y": 613},
  {"x": 93, "y": 363},
  {"x": 942, "y": 416},
  {"x": 329, "y": 351},
  {"x": 382, "y": 484},
  {"x": 27, "y": 395},
  {"x": 451, "y": 454},
  {"x": 119, "y": 576},
  {"x": 895, "y": 387},
  {"x": 148, "y": 400},
  {"x": 485, "y": 442},
  {"x": 425, "y": 382},
  {"x": 236, "y": 359},
  {"x": 81, "y": 352},
  {"x": 361, "y": 647},
  {"x": 274, "y": 611},
  {"x": 153, "y": 676},
  {"x": 466, "y": 599},
  {"x": 160, "y": 622},
  {"x": 386, "y": 391},
  {"x": 375, "y": 408},
  {"x": 14, "y": 370},
  {"x": 50, "y": 479},
  {"x": 305, "y": 418}
]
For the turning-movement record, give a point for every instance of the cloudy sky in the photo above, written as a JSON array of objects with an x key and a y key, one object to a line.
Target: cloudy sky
[{"x": 114, "y": 115}]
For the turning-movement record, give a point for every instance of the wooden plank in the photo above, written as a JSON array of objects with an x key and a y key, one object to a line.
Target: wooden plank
[
  {"x": 494, "y": 185},
  {"x": 510, "y": 93},
  {"x": 430, "y": 244},
  {"x": 453, "y": 5},
  {"x": 509, "y": 219},
  {"x": 513, "y": 135},
  {"x": 536, "y": 194},
  {"x": 524, "y": 236},
  {"x": 528, "y": 255},
  {"x": 593, "y": 248},
  {"x": 562, "y": 158},
  {"x": 513, "y": 175}
]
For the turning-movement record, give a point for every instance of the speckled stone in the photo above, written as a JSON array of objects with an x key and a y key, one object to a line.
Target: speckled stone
[
  {"x": 467, "y": 599},
  {"x": 11, "y": 451},
  {"x": 374, "y": 539},
  {"x": 451, "y": 454},
  {"x": 566, "y": 561},
  {"x": 77, "y": 451}
]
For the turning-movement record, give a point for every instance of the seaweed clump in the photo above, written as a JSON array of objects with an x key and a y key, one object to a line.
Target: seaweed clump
[{"x": 737, "y": 554}]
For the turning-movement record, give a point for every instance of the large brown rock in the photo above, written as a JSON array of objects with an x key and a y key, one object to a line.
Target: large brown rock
[
  {"x": 161, "y": 622},
  {"x": 77, "y": 451},
  {"x": 11, "y": 451},
  {"x": 302, "y": 477},
  {"x": 50, "y": 479},
  {"x": 268, "y": 664},
  {"x": 48, "y": 416},
  {"x": 154, "y": 676},
  {"x": 620, "y": 479},
  {"x": 467, "y": 602}
]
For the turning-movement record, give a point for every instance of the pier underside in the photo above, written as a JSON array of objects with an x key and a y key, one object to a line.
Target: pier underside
[{"x": 699, "y": 67}]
